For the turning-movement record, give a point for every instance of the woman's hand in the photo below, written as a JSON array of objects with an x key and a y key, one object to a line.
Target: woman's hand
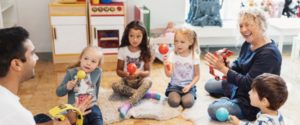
[
  {"x": 216, "y": 62},
  {"x": 186, "y": 88},
  {"x": 234, "y": 120},
  {"x": 71, "y": 84}
]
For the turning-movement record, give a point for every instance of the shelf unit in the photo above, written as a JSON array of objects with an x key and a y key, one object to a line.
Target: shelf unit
[
  {"x": 69, "y": 30},
  {"x": 8, "y": 15}
]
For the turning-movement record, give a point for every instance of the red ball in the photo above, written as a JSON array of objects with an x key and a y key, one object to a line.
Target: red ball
[
  {"x": 163, "y": 49},
  {"x": 131, "y": 68}
]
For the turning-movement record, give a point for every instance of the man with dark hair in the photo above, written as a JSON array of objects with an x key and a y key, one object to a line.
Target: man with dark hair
[{"x": 17, "y": 62}]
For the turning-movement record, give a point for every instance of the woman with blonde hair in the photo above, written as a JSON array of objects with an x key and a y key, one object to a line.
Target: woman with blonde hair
[{"x": 258, "y": 55}]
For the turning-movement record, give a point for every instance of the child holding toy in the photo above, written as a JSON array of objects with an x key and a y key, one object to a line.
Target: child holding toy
[
  {"x": 183, "y": 67},
  {"x": 134, "y": 54},
  {"x": 268, "y": 93},
  {"x": 83, "y": 79}
]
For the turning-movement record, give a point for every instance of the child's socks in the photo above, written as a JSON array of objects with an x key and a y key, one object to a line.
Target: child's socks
[
  {"x": 124, "y": 109},
  {"x": 152, "y": 95}
]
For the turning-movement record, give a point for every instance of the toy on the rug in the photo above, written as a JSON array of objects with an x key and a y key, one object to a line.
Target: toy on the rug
[
  {"x": 81, "y": 74},
  {"x": 222, "y": 114},
  {"x": 224, "y": 53},
  {"x": 131, "y": 68}
]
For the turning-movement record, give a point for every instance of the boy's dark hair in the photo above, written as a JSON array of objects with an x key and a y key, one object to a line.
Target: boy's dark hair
[
  {"x": 271, "y": 87},
  {"x": 11, "y": 47},
  {"x": 144, "y": 46}
]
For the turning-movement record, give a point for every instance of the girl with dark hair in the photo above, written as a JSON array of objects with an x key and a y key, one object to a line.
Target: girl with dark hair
[{"x": 134, "y": 50}]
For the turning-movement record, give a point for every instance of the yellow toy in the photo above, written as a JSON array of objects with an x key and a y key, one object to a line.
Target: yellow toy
[
  {"x": 81, "y": 74},
  {"x": 60, "y": 111}
]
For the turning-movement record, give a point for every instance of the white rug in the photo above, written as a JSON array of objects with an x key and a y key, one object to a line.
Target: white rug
[{"x": 147, "y": 108}]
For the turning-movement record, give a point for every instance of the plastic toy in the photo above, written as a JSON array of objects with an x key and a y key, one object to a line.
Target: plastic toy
[
  {"x": 81, "y": 74},
  {"x": 224, "y": 53},
  {"x": 222, "y": 114},
  {"x": 163, "y": 49},
  {"x": 131, "y": 68},
  {"x": 60, "y": 111}
]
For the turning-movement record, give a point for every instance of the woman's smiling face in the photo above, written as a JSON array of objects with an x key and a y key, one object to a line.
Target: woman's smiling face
[{"x": 250, "y": 29}]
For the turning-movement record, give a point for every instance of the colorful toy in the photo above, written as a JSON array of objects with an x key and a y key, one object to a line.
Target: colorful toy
[
  {"x": 163, "y": 49},
  {"x": 131, "y": 68},
  {"x": 81, "y": 74},
  {"x": 60, "y": 111},
  {"x": 224, "y": 53},
  {"x": 222, "y": 114}
]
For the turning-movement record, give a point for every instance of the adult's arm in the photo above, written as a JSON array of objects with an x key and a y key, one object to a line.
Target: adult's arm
[{"x": 264, "y": 62}]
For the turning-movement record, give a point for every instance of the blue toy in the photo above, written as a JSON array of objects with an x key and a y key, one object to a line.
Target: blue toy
[{"x": 222, "y": 114}]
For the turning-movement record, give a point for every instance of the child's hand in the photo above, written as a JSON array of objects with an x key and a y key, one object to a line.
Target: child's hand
[
  {"x": 134, "y": 75},
  {"x": 165, "y": 58},
  {"x": 71, "y": 84},
  {"x": 84, "y": 105},
  {"x": 186, "y": 89},
  {"x": 234, "y": 120}
]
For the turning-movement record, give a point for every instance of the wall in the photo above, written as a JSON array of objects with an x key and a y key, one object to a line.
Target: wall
[
  {"x": 162, "y": 11},
  {"x": 33, "y": 15}
]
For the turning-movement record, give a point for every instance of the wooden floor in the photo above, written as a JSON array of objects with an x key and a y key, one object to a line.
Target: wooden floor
[{"x": 38, "y": 95}]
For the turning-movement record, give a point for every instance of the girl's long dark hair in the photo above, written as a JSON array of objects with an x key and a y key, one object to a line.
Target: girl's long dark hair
[{"x": 144, "y": 46}]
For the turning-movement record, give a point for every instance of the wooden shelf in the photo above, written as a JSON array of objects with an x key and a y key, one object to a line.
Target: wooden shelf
[{"x": 109, "y": 38}]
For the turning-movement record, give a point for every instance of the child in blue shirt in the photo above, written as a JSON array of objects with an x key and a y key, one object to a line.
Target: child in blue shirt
[{"x": 90, "y": 61}]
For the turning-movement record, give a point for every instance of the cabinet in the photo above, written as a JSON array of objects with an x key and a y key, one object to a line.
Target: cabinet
[
  {"x": 8, "y": 15},
  {"x": 69, "y": 30}
]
